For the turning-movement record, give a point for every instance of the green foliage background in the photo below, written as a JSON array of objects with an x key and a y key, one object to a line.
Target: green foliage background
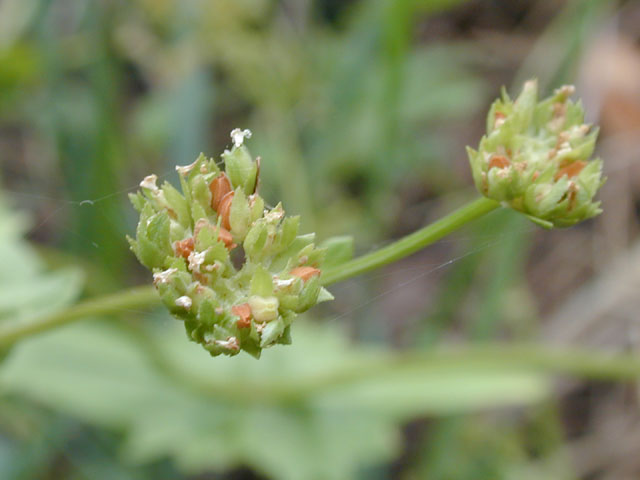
[{"x": 360, "y": 114}]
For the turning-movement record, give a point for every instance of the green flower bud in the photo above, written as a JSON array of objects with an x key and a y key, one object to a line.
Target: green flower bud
[
  {"x": 535, "y": 157},
  {"x": 256, "y": 240},
  {"x": 189, "y": 242},
  {"x": 261, "y": 283},
  {"x": 264, "y": 309},
  {"x": 240, "y": 167},
  {"x": 152, "y": 244}
]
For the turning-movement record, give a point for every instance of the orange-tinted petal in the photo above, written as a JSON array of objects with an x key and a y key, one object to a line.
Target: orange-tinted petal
[
  {"x": 225, "y": 236},
  {"x": 219, "y": 187},
  {"x": 305, "y": 273},
  {"x": 184, "y": 247},
  {"x": 499, "y": 161},
  {"x": 244, "y": 312},
  {"x": 570, "y": 170},
  {"x": 225, "y": 208}
]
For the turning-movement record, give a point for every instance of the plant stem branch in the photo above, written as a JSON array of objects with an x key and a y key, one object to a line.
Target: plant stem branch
[
  {"x": 131, "y": 298},
  {"x": 411, "y": 243},
  {"x": 146, "y": 296}
]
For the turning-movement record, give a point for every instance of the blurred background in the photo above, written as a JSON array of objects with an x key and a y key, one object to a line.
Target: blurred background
[{"x": 360, "y": 110}]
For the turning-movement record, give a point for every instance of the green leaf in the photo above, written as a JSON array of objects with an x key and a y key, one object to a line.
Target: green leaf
[
  {"x": 41, "y": 293},
  {"x": 424, "y": 390},
  {"x": 219, "y": 414}
]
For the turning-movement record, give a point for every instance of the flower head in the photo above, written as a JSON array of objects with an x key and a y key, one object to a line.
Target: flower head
[
  {"x": 535, "y": 157},
  {"x": 235, "y": 272}
]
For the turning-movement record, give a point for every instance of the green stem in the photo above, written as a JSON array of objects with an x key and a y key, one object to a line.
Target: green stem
[
  {"x": 131, "y": 298},
  {"x": 141, "y": 297},
  {"x": 574, "y": 362},
  {"x": 411, "y": 243}
]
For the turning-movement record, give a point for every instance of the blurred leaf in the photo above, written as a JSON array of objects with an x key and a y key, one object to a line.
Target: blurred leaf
[
  {"x": 38, "y": 294},
  {"x": 556, "y": 55},
  {"x": 120, "y": 388},
  {"x": 18, "y": 70},
  {"x": 435, "y": 5},
  {"x": 503, "y": 271},
  {"x": 189, "y": 112},
  {"x": 439, "y": 87},
  {"x": 339, "y": 250},
  {"x": 26, "y": 289},
  {"x": 15, "y": 16},
  {"x": 483, "y": 450},
  {"x": 442, "y": 390},
  {"x": 215, "y": 415}
]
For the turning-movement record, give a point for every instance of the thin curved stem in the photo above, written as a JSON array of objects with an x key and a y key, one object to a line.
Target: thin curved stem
[
  {"x": 574, "y": 362},
  {"x": 137, "y": 297},
  {"x": 411, "y": 243},
  {"x": 141, "y": 297}
]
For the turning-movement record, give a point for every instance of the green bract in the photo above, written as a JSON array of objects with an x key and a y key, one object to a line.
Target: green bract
[
  {"x": 235, "y": 272},
  {"x": 535, "y": 157}
]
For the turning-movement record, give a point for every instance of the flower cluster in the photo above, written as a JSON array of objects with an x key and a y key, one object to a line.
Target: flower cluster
[
  {"x": 236, "y": 272},
  {"x": 535, "y": 157}
]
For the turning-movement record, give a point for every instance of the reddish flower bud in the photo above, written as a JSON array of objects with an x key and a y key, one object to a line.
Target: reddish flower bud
[
  {"x": 219, "y": 187},
  {"x": 244, "y": 312},
  {"x": 184, "y": 247},
  {"x": 225, "y": 237},
  {"x": 224, "y": 208},
  {"x": 499, "y": 161}
]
